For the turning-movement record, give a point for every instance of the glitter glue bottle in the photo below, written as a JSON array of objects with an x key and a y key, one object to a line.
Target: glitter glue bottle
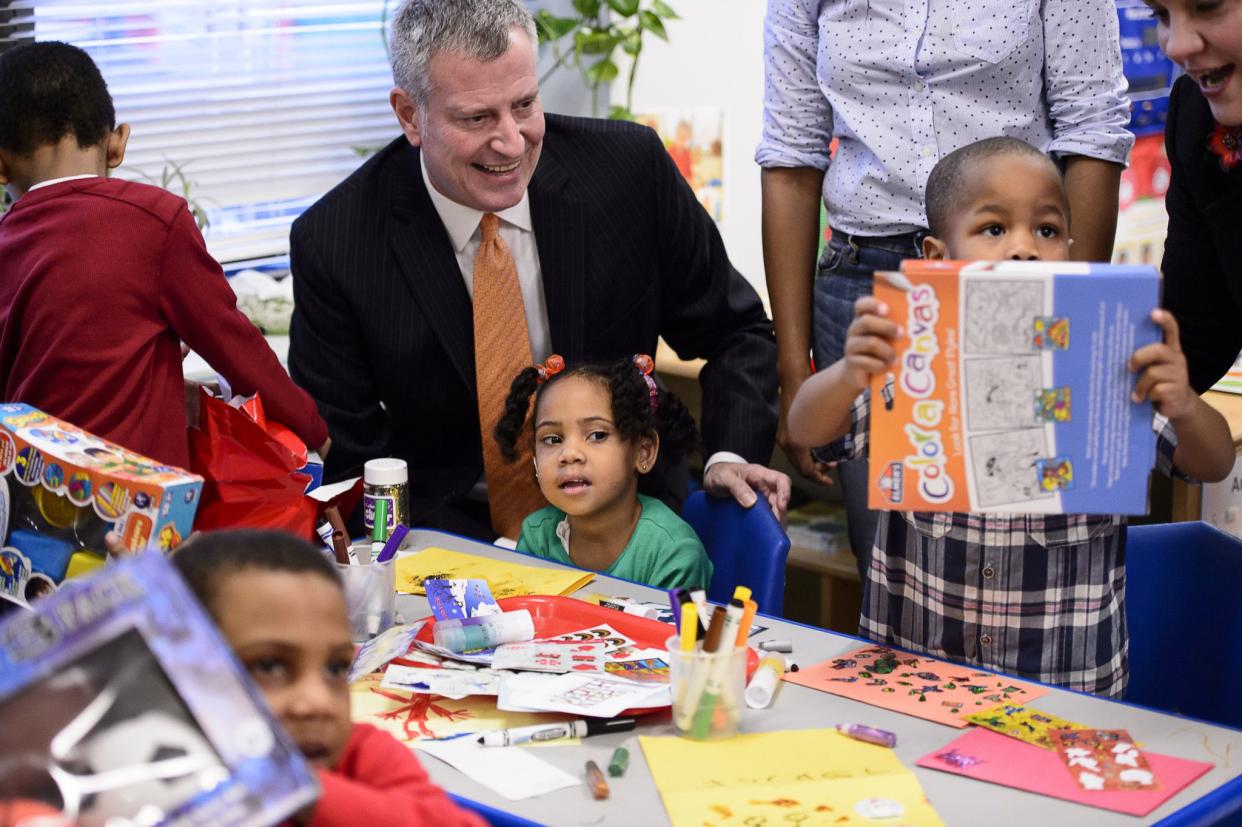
[
  {"x": 763, "y": 685},
  {"x": 484, "y": 631},
  {"x": 389, "y": 479},
  {"x": 871, "y": 735}
]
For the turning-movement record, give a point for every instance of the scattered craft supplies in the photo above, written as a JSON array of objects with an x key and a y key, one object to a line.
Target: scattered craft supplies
[
  {"x": 814, "y": 776},
  {"x": 505, "y": 579},
  {"x": 913, "y": 684},
  {"x": 987, "y": 756}
]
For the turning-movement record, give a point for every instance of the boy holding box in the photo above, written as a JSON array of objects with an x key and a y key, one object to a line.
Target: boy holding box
[
  {"x": 102, "y": 279},
  {"x": 1037, "y": 595}
]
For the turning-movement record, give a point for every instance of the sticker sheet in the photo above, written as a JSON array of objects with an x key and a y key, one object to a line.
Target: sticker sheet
[
  {"x": 915, "y": 685},
  {"x": 380, "y": 650},
  {"x": 460, "y": 598},
  {"x": 454, "y": 684},
  {"x": 1011, "y": 390},
  {"x": 612, "y": 639},
  {"x": 1103, "y": 759},
  {"x": 551, "y": 656},
  {"x": 599, "y": 696},
  {"x": 987, "y": 756},
  {"x": 1022, "y": 722}
]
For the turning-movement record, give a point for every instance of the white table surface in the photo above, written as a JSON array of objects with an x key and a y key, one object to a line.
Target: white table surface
[{"x": 959, "y": 801}]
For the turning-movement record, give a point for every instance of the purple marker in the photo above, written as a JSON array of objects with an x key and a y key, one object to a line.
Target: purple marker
[
  {"x": 871, "y": 735},
  {"x": 394, "y": 541}
]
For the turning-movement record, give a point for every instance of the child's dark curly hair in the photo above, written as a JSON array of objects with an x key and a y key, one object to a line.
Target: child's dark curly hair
[
  {"x": 631, "y": 407},
  {"x": 49, "y": 90}
]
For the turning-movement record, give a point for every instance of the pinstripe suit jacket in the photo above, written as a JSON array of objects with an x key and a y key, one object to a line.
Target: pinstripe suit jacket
[{"x": 381, "y": 333}]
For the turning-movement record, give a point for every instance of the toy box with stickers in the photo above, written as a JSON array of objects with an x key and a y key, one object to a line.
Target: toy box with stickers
[
  {"x": 122, "y": 706},
  {"x": 63, "y": 489}
]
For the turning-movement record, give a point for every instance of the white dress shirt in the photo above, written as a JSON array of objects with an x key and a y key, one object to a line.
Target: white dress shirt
[
  {"x": 51, "y": 181},
  {"x": 902, "y": 83}
]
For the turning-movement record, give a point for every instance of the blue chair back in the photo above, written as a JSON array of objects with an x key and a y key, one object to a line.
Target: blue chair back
[
  {"x": 747, "y": 547},
  {"x": 1183, "y": 602}
]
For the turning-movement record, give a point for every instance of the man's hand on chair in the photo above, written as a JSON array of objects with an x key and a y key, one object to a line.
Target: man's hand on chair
[{"x": 741, "y": 480}]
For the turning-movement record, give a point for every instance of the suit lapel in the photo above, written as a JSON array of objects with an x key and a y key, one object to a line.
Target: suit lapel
[
  {"x": 557, "y": 217},
  {"x": 1222, "y": 205},
  {"x": 425, "y": 256}
]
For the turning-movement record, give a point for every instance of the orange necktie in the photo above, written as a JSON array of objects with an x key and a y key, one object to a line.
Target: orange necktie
[{"x": 501, "y": 350}]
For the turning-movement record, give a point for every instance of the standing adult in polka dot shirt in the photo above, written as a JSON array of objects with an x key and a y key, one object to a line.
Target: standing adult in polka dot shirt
[{"x": 899, "y": 84}]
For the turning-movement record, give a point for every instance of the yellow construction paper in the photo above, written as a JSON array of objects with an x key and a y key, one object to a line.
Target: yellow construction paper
[
  {"x": 410, "y": 717},
  {"x": 808, "y": 777},
  {"x": 504, "y": 578}
]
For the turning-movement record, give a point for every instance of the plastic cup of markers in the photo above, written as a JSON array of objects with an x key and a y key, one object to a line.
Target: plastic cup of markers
[
  {"x": 370, "y": 597},
  {"x": 698, "y": 713}
]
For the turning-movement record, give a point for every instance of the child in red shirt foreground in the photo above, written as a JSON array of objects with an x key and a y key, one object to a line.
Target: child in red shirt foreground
[
  {"x": 279, "y": 603},
  {"x": 102, "y": 279}
]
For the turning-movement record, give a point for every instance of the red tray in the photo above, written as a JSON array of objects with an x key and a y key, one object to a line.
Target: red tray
[{"x": 554, "y": 616}]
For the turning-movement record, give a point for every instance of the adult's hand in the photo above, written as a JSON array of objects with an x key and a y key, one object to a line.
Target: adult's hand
[
  {"x": 799, "y": 455},
  {"x": 740, "y": 480}
]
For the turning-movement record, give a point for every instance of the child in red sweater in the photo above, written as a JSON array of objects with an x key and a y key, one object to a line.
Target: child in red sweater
[
  {"x": 102, "y": 279},
  {"x": 279, "y": 603}
]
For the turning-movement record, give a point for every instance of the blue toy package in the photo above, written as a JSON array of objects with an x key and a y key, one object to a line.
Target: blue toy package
[
  {"x": 121, "y": 704},
  {"x": 63, "y": 489}
]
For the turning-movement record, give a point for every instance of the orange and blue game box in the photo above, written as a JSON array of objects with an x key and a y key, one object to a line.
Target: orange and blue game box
[{"x": 1011, "y": 390}]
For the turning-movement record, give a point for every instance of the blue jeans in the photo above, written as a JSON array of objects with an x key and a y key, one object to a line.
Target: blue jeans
[{"x": 845, "y": 272}]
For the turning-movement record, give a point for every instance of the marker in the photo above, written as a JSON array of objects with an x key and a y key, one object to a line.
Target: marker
[
  {"x": 595, "y": 781},
  {"x": 393, "y": 543},
  {"x": 676, "y": 597},
  {"x": 748, "y": 617},
  {"x": 340, "y": 545},
  {"x": 689, "y": 627},
  {"x": 699, "y": 669},
  {"x": 379, "y": 528},
  {"x": 879, "y": 737},
  {"x": 555, "y": 732},
  {"x": 619, "y": 761},
  {"x": 785, "y": 646},
  {"x": 700, "y": 601},
  {"x": 741, "y": 593}
]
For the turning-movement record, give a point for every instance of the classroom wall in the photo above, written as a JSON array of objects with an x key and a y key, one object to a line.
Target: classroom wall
[{"x": 714, "y": 57}]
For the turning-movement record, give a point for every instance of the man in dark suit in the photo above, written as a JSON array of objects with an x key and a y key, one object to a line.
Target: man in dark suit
[{"x": 610, "y": 247}]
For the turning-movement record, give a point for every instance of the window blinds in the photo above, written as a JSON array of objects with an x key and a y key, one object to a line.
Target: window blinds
[{"x": 263, "y": 105}]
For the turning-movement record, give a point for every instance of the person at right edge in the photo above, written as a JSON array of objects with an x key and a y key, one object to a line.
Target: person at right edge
[{"x": 899, "y": 90}]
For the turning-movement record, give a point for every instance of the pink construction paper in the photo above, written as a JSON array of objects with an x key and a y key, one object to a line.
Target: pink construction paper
[
  {"x": 925, "y": 687},
  {"x": 1013, "y": 763}
]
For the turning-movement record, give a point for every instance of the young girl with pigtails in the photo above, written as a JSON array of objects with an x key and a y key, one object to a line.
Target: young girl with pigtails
[{"x": 596, "y": 429}]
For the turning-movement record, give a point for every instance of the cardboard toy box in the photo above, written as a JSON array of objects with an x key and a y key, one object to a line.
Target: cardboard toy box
[
  {"x": 122, "y": 706},
  {"x": 63, "y": 489},
  {"x": 1011, "y": 392}
]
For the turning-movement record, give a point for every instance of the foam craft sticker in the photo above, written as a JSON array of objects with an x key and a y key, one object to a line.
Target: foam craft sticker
[
  {"x": 812, "y": 776},
  {"x": 1011, "y": 763},
  {"x": 1103, "y": 759},
  {"x": 913, "y": 684},
  {"x": 1021, "y": 722}
]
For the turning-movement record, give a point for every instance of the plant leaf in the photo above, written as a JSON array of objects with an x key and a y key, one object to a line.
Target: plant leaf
[
  {"x": 664, "y": 10},
  {"x": 595, "y": 42},
  {"x": 625, "y": 8},
  {"x": 654, "y": 24},
  {"x": 602, "y": 71},
  {"x": 551, "y": 27},
  {"x": 587, "y": 8},
  {"x": 620, "y": 113},
  {"x": 633, "y": 43}
]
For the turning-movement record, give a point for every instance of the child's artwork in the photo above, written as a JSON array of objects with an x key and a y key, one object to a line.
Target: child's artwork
[
  {"x": 998, "y": 391},
  {"x": 915, "y": 685},
  {"x": 976, "y": 414},
  {"x": 987, "y": 756},
  {"x": 599, "y": 696},
  {"x": 453, "y": 684},
  {"x": 648, "y": 665},
  {"x": 1103, "y": 759},
  {"x": 504, "y": 578},
  {"x": 693, "y": 138},
  {"x": 411, "y": 717},
  {"x": 1021, "y": 722},
  {"x": 460, "y": 599},
  {"x": 551, "y": 656},
  {"x": 812, "y": 776}
]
